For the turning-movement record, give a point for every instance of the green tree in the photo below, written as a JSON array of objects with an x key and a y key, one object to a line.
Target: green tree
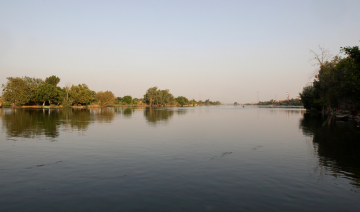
[
  {"x": 353, "y": 53},
  {"x": 192, "y": 102},
  {"x": 152, "y": 96},
  {"x": 337, "y": 81},
  {"x": 182, "y": 100},
  {"x": 308, "y": 97},
  {"x": 350, "y": 66},
  {"x": 105, "y": 98},
  {"x": 118, "y": 100},
  {"x": 81, "y": 94},
  {"x": 17, "y": 91},
  {"x": 127, "y": 99},
  {"x": 165, "y": 97},
  {"x": 207, "y": 102},
  {"x": 33, "y": 82},
  {"x": 327, "y": 83},
  {"x": 48, "y": 92},
  {"x": 52, "y": 80}
]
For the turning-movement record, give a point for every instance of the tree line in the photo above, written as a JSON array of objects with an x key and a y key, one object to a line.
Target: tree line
[
  {"x": 290, "y": 102},
  {"x": 20, "y": 91},
  {"x": 157, "y": 97},
  {"x": 336, "y": 83}
]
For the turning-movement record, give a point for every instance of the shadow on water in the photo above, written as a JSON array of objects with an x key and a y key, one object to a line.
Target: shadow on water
[{"x": 337, "y": 144}]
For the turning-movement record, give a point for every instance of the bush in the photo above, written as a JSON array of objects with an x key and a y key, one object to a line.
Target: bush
[
  {"x": 127, "y": 99},
  {"x": 308, "y": 98},
  {"x": 66, "y": 103}
]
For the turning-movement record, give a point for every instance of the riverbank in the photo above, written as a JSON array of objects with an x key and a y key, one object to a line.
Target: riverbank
[
  {"x": 345, "y": 115},
  {"x": 93, "y": 106}
]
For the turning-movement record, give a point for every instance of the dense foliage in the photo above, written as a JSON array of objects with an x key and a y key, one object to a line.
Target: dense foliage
[
  {"x": 155, "y": 96},
  {"x": 48, "y": 92},
  {"x": 337, "y": 83},
  {"x": 35, "y": 91},
  {"x": 105, "y": 98},
  {"x": 81, "y": 94},
  {"x": 290, "y": 102},
  {"x": 53, "y": 80},
  {"x": 31, "y": 91},
  {"x": 127, "y": 99},
  {"x": 208, "y": 102},
  {"x": 18, "y": 91}
]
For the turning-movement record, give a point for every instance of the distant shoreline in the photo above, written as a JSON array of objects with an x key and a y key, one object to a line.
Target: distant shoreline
[
  {"x": 140, "y": 106},
  {"x": 89, "y": 107}
]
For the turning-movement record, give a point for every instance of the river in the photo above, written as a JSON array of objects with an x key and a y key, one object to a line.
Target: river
[{"x": 216, "y": 158}]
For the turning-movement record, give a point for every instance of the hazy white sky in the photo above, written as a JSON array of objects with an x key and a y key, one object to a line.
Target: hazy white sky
[{"x": 223, "y": 50}]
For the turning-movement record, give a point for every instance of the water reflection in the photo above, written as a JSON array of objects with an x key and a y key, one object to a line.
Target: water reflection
[
  {"x": 31, "y": 123},
  {"x": 103, "y": 115},
  {"x": 37, "y": 122},
  {"x": 337, "y": 145},
  {"x": 76, "y": 119},
  {"x": 128, "y": 111},
  {"x": 181, "y": 111},
  {"x": 155, "y": 115}
]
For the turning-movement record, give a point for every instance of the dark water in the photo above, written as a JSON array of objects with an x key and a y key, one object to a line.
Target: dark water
[{"x": 177, "y": 159}]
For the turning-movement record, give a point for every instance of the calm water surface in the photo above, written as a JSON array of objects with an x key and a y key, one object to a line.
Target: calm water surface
[{"x": 223, "y": 158}]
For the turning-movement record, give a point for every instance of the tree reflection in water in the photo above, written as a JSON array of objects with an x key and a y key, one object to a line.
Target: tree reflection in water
[
  {"x": 181, "y": 111},
  {"x": 128, "y": 111},
  {"x": 103, "y": 115},
  {"x": 32, "y": 123},
  {"x": 156, "y": 115},
  {"x": 76, "y": 119},
  {"x": 336, "y": 144}
]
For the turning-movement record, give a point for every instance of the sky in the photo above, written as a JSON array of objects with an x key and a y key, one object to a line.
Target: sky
[{"x": 226, "y": 51}]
